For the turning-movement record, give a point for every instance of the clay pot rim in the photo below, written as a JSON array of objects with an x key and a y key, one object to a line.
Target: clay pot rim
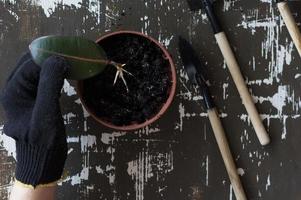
[{"x": 165, "y": 105}]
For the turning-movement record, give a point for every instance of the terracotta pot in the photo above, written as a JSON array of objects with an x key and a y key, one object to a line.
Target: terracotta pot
[{"x": 164, "y": 107}]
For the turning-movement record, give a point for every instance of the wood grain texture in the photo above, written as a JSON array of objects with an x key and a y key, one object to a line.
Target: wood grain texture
[
  {"x": 227, "y": 156},
  {"x": 290, "y": 24},
  {"x": 176, "y": 158},
  {"x": 242, "y": 88}
]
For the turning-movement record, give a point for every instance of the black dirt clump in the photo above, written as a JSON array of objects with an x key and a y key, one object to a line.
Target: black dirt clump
[{"x": 149, "y": 87}]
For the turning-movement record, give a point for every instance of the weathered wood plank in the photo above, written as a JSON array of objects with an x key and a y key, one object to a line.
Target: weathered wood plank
[{"x": 176, "y": 158}]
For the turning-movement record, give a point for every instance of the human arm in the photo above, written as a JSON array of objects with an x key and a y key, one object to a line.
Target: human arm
[{"x": 19, "y": 192}]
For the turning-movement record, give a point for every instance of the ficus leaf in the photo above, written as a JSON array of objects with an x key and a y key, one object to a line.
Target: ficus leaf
[{"x": 86, "y": 58}]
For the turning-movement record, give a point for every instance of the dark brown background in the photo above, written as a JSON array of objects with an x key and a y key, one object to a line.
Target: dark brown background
[{"x": 176, "y": 158}]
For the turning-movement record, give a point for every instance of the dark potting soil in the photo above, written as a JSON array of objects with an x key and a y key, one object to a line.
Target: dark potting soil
[{"x": 149, "y": 87}]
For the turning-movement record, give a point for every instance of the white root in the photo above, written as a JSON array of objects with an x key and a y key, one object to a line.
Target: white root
[
  {"x": 122, "y": 77},
  {"x": 116, "y": 76},
  {"x": 120, "y": 74}
]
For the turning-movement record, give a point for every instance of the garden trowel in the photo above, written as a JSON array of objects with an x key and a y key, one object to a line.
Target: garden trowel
[
  {"x": 233, "y": 67},
  {"x": 290, "y": 23},
  {"x": 197, "y": 76}
]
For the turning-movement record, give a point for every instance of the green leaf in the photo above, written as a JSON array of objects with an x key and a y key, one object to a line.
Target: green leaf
[{"x": 86, "y": 57}]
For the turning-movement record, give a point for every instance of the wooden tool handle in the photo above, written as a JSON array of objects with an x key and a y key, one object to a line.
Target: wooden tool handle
[
  {"x": 224, "y": 148},
  {"x": 242, "y": 88},
  {"x": 290, "y": 24}
]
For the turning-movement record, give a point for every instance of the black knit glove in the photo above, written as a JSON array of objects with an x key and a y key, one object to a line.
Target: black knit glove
[{"x": 31, "y": 102}]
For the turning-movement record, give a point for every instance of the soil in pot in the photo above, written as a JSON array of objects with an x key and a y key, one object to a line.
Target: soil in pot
[{"x": 149, "y": 87}]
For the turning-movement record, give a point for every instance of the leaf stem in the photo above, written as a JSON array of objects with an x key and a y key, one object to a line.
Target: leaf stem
[
  {"x": 119, "y": 67},
  {"x": 106, "y": 62}
]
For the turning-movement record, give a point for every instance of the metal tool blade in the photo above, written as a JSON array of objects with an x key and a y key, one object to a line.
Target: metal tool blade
[
  {"x": 194, "y": 68},
  {"x": 195, "y": 71}
]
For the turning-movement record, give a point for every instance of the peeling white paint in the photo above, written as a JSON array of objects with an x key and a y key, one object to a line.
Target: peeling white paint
[
  {"x": 99, "y": 170},
  {"x": 68, "y": 89},
  {"x": 7, "y": 143},
  {"x": 268, "y": 184},
  {"x": 228, "y": 4},
  {"x": 182, "y": 115},
  {"x": 279, "y": 99},
  {"x": 77, "y": 179},
  {"x": 241, "y": 171},
  {"x": 49, "y": 6},
  {"x": 72, "y": 139},
  {"x": 225, "y": 86},
  {"x": 88, "y": 141},
  {"x": 70, "y": 151},
  {"x": 108, "y": 138},
  {"x": 141, "y": 169},
  {"x": 297, "y": 76},
  {"x": 165, "y": 41},
  {"x": 68, "y": 118},
  {"x": 278, "y": 56},
  {"x": 284, "y": 132}
]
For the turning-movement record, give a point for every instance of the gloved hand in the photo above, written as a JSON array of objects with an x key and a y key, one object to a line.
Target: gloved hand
[{"x": 31, "y": 103}]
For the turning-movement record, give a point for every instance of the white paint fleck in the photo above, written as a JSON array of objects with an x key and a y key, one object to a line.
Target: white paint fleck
[
  {"x": 99, "y": 170},
  {"x": 297, "y": 76},
  {"x": 14, "y": 14},
  {"x": 284, "y": 132},
  {"x": 228, "y": 4},
  {"x": 110, "y": 169},
  {"x": 68, "y": 118},
  {"x": 259, "y": 163},
  {"x": 241, "y": 171},
  {"x": 182, "y": 115},
  {"x": 68, "y": 89},
  {"x": 70, "y": 150},
  {"x": 268, "y": 184},
  {"x": 279, "y": 99},
  {"x": 165, "y": 41},
  {"x": 141, "y": 169},
  {"x": 225, "y": 86},
  {"x": 88, "y": 141},
  {"x": 108, "y": 138},
  {"x": 72, "y": 139},
  {"x": 7, "y": 143},
  {"x": 207, "y": 170},
  {"x": 78, "y": 178}
]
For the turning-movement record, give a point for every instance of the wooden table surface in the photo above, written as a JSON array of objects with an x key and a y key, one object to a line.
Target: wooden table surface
[{"x": 177, "y": 157}]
